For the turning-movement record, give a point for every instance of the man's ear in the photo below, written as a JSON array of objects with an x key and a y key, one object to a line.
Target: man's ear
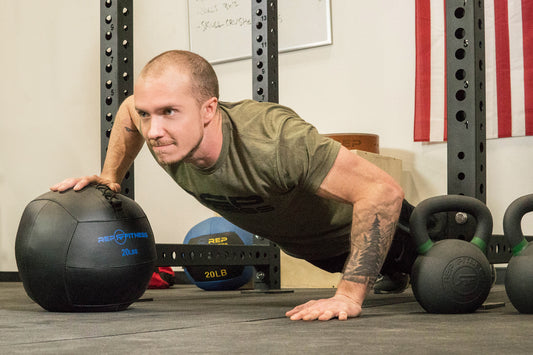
[{"x": 209, "y": 109}]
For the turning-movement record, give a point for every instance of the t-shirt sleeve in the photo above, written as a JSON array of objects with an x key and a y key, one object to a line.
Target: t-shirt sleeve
[{"x": 304, "y": 156}]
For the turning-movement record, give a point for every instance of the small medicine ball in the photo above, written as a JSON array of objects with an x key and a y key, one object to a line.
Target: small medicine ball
[
  {"x": 218, "y": 231},
  {"x": 91, "y": 250}
]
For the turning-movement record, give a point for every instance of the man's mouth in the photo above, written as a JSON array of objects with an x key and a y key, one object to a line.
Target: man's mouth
[
  {"x": 161, "y": 147},
  {"x": 161, "y": 144}
]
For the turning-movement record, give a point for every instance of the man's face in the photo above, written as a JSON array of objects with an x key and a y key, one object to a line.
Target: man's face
[{"x": 171, "y": 119}]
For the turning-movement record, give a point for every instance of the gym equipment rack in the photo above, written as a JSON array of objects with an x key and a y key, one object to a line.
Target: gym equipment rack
[
  {"x": 264, "y": 258},
  {"x": 465, "y": 81},
  {"x": 265, "y": 50},
  {"x": 116, "y": 71},
  {"x": 116, "y": 67},
  {"x": 466, "y": 117}
]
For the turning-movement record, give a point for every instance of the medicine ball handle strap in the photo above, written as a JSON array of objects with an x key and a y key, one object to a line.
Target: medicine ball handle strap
[
  {"x": 111, "y": 197},
  {"x": 512, "y": 220},
  {"x": 448, "y": 203}
]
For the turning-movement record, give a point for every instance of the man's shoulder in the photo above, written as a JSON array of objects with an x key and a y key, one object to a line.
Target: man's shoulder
[
  {"x": 253, "y": 118},
  {"x": 252, "y": 108}
]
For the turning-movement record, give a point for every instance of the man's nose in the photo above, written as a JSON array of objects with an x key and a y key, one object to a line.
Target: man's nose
[{"x": 156, "y": 129}]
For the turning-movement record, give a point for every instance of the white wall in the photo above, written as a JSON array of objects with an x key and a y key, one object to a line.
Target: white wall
[{"x": 364, "y": 82}]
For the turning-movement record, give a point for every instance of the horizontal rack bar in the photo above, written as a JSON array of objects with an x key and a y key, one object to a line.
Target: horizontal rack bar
[
  {"x": 204, "y": 255},
  {"x": 499, "y": 250}
]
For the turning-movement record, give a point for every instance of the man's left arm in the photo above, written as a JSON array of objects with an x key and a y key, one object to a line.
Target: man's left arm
[{"x": 376, "y": 200}]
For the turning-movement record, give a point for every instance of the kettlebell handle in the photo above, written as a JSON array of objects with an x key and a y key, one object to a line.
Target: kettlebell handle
[
  {"x": 447, "y": 203},
  {"x": 512, "y": 222}
]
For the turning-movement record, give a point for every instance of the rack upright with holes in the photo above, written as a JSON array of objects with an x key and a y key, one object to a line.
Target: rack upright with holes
[
  {"x": 465, "y": 55},
  {"x": 116, "y": 70},
  {"x": 265, "y": 50},
  {"x": 466, "y": 116}
]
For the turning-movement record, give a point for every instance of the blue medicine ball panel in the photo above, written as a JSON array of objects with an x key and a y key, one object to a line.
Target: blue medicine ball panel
[
  {"x": 218, "y": 231},
  {"x": 91, "y": 250}
]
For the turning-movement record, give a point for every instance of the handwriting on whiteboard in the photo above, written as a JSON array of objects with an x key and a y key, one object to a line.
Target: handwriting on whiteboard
[{"x": 220, "y": 30}]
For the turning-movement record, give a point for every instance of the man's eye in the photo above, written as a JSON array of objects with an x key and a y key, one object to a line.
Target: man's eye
[{"x": 168, "y": 111}]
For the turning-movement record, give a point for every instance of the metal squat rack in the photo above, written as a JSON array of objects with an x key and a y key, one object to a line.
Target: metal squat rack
[{"x": 116, "y": 62}]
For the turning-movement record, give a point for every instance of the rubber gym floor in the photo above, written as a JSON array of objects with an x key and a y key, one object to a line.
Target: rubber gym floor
[{"x": 187, "y": 320}]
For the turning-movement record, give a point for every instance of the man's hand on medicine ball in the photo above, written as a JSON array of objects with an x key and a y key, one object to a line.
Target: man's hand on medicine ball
[{"x": 79, "y": 183}]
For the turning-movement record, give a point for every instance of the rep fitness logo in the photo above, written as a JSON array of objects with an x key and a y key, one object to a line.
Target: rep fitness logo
[{"x": 120, "y": 237}]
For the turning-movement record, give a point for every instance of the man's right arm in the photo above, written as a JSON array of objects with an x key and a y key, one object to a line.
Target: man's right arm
[{"x": 125, "y": 143}]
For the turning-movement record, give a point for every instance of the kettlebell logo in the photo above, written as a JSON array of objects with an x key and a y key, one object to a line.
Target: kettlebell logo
[
  {"x": 461, "y": 278},
  {"x": 466, "y": 279}
]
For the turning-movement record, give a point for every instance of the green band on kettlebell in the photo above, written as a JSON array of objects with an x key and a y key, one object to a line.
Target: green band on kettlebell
[
  {"x": 424, "y": 248},
  {"x": 520, "y": 246},
  {"x": 480, "y": 243}
]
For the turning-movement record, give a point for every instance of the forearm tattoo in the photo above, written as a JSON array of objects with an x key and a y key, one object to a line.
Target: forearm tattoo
[{"x": 369, "y": 250}]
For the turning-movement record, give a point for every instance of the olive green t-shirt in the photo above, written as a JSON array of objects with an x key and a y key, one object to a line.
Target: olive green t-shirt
[{"x": 271, "y": 164}]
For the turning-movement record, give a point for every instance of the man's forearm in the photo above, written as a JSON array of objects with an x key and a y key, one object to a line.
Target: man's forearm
[
  {"x": 125, "y": 143},
  {"x": 373, "y": 228}
]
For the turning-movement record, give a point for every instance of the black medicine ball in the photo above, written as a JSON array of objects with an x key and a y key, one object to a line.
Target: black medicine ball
[{"x": 91, "y": 250}]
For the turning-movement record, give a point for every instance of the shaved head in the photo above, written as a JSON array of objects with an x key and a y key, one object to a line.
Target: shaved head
[{"x": 204, "y": 82}]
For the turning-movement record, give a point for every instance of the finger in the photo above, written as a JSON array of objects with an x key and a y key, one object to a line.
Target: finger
[
  {"x": 72, "y": 183},
  {"x": 343, "y": 315},
  {"x": 81, "y": 184},
  {"x": 327, "y": 315},
  {"x": 95, "y": 179},
  {"x": 297, "y": 311},
  {"x": 63, "y": 185},
  {"x": 58, "y": 186},
  {"x": 299, "y": 308},
  {"x": 311, "y": 315},
  {"x": 290, "y": 313},
  {"x": 297, "y": 316},
  {"x": 114, "y": 186},
  {"x": 294, "y": 311}
]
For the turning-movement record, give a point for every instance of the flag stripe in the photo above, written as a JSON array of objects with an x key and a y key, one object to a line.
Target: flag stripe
[
  {"x": 516, "y": 56},
  {"x": 423, "y": 71},
  {"x": 503, "y": 68},
  {"x": 490, "y": 72},
  {"x": 437, "y": 125},
  {"x": 527, "y": 37},
  {"x": 445, "y": 135}
]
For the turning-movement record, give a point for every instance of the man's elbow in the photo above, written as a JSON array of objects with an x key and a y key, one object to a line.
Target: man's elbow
[
  {"x": 398, "y": 191},
  {"x": 393, "y": 193}
]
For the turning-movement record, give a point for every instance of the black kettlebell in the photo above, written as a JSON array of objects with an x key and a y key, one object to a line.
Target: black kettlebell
[
  {"x": 451, "y": 275},
  {"x": 519, "y": 274}
]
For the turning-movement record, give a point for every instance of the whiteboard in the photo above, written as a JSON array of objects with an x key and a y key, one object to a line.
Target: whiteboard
[{"x": 220, "y": 30}]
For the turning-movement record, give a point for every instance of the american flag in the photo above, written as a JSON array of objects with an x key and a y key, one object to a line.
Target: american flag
[{"x": 508, "y": 63}]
